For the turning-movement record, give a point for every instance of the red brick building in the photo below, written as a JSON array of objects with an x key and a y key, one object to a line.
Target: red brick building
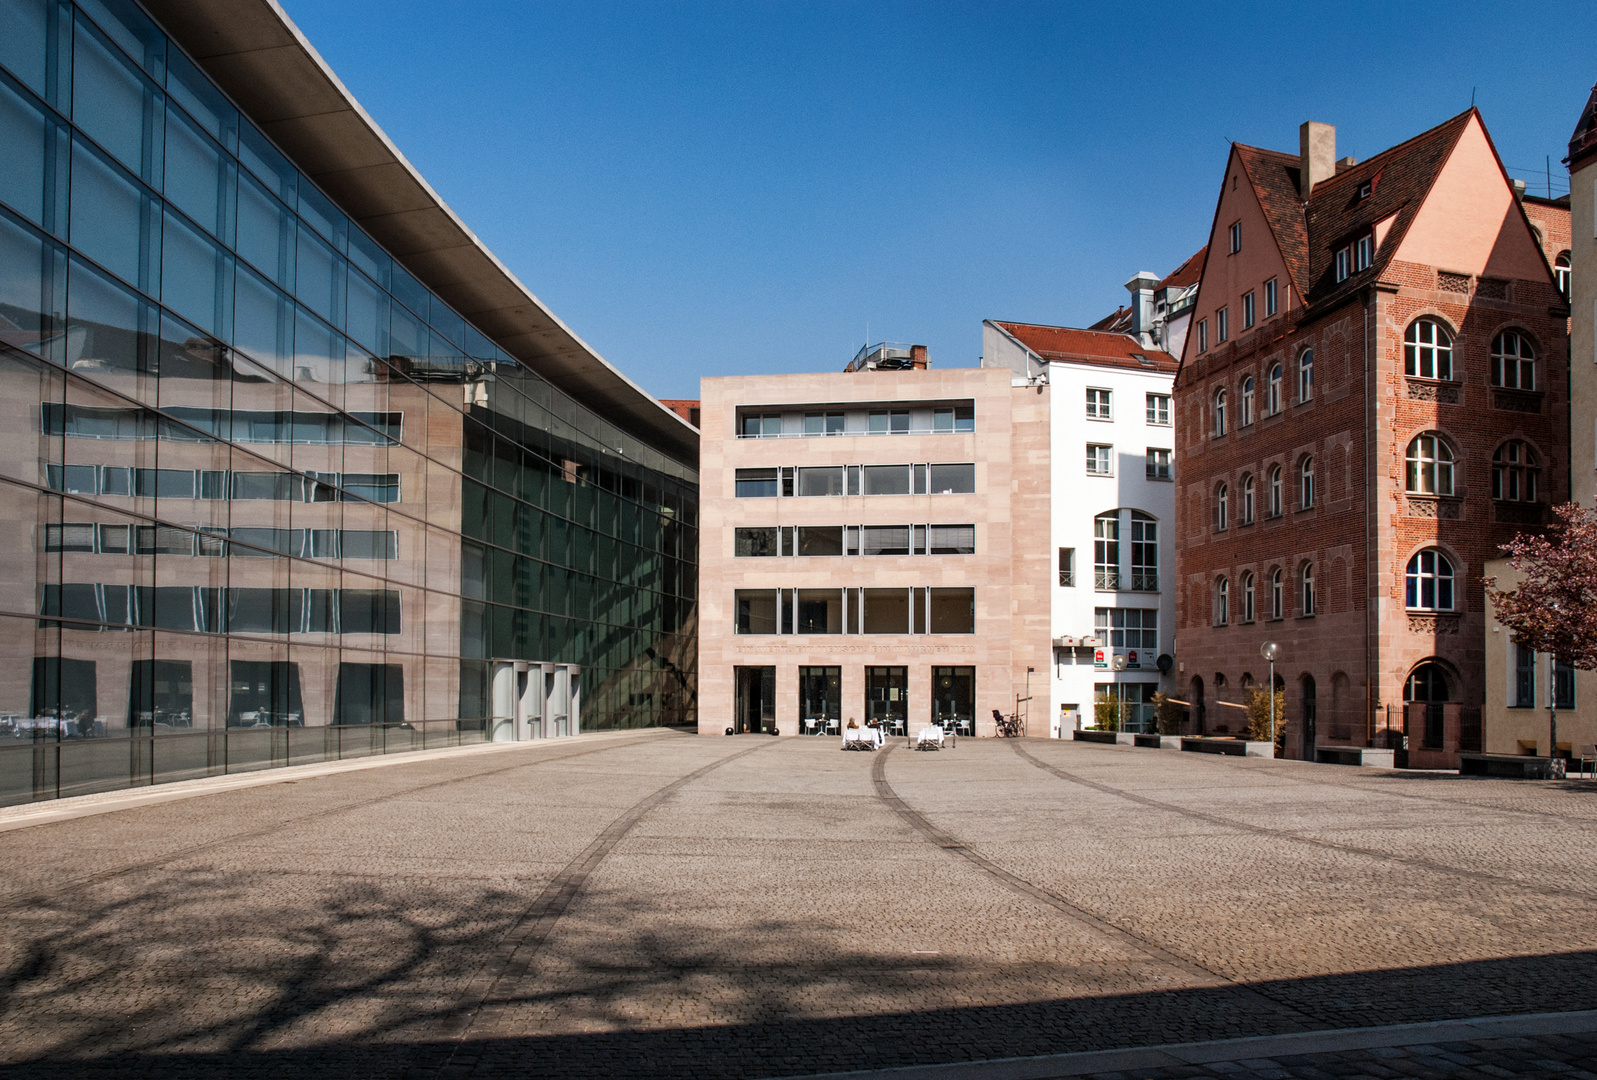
[{"x": 1372, "y": 397}]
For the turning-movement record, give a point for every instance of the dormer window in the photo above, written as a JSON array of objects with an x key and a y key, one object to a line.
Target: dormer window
[
  {"x": 1366, "y": 189},
  {"x": 1363, "y": 253},
  {"x": 1236, "y": 237},
  {"x": 1344, "y": 263}
]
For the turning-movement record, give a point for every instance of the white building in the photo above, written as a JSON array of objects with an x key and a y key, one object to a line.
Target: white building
[{"x": 1112, "y": 508}]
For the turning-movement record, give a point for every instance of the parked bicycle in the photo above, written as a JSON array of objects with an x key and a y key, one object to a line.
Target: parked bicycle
[{"x": 1010, "y": 726}]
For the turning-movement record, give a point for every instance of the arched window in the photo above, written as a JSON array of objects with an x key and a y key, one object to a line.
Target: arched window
[
  {"x": 1428, "y": 581},
  {"x": 1428, "y": 350},
  {"x": 1247, "y": 597},
  {"x": 1222, "y": 602},
  {"x": 1429, "y": 463},
  {"x": 1514, "y": 472},
  {"x": 1561, "y": 273},
  {"x": 1306, "y": 375},
  {"x": 1222, "y": 507},
  {"x": 1427, "y": 683},
  {"x": 1272, "y": 391},
  {"x": 1106, "y": 551},
  {"x": 1306, "y": 588},
  {"x": 1277, "y": 594},
  {"x": 1275, "y": 491},
  {"x": 1306, "y": 483},
  {"x": 1513, "y": 361},
  {"x": 1247, "y": 403},
  {"x": 1247, "y": 498},
  {"x": 1219, "y": 412}
]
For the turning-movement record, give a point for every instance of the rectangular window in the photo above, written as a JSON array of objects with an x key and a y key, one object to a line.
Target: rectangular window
[
  {"x": 918, "y": 539},
  {"x": 1247, "y": 310},
  {"x": 885, "y": 480},
  {"x": 1236, "y": 237},
  {"x": 1222, "y": 325},
  {"x": 884, "y": 540},
  {"x": 1344, "y": 263},
  {"x": 820, "y": 540},
  {"x": 827, "y": 481},
  {"x": 1524, "y": 676},
  {"x": 761, "y": 426},
  {"x": 886, "y": 611},
  {"x": 756, "y": 484},
  {"x": 951, "y": 539},
  {"x": 1270, "y": 300},
  {"x": 1563, "y": 686},
  {"x": 851, "y": 540},
  {"x": 1158, "y": 464},
  {"x": 754, "y": 543},
  {"x": 1363, "y": 252},
  {"x": 1203, "y": 335},
  {"x": 920, "y": 479},
  {"x": 820, "y": 611},
  {"x": 952, "y": 479},
  {"x": 953, "y": 611},
  {"x": 1098, "y": 460},
  {"x": 1106, "y": 552},
  {"x": 1097, "y": 404},
  {"x": 755, "y": 611},
  {"x": 1128, "y": 628},
  {"x": 1159, "y": 409},
  {"x": 1067, "y": 567},
  {"x": 1144, "y": 554},
  {"x": 70, "y": 538}
]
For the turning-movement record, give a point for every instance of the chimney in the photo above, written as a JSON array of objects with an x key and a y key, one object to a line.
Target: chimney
[
  {"x": 1141, "y": 287},
  {"x": 1316, "y": 156}
]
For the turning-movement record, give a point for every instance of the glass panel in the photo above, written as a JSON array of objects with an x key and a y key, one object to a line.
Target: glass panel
[
  {"x": 369, "y": 257},
  {"x": 953, "y": 611},
  {"x": 266, "y": 233},
  {"x": 23, "y": 40},
  {"x": 22, "y": 300},
  {"x": 200, "y": 178},
  {"x": 23, "y": 131},
  {"x": 820, "y": 611},
  {"x": 886, "y": 480},
  {"x": 953, "y": 479},
  {"x": 267, "y": 163},
  {"x": 104, "y": 332},
  {"x": 318, "y": 212},
  {"x": 116, "y": 105},
  {"x": 755, "y": 611},
  {"x": 953, "y": 540},
  {"x": 886, "y": 611},
  {"x": 820, "y": 540},
  {"x": 827, "y": 481},
  {"x": 204, "y": 102},
  {"x": 756, "y": 484},
  {"x": 319, "y": 279},
  {"x": 884, "y": 540},
  {"x": 114, "y": 220},
  {"x": 367, "y": 317},
  {"x": 263, "y": 327},
  {"x": 196, "y": 278},
  {"x": 755, "y": 543}
]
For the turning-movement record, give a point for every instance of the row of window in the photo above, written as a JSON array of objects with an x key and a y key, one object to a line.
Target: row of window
[
  {"x": 1277, "y": 597},
  {"x": 309, "y": 487},
  {"x": 1429, "y": 467},
  {"x": 855, "y": 540},
  {"x": 1250, "y": 306},
  {"x": 855, "y": 611},
  {"x": 951, "y": 419},
  {"x": 225, "y": 610},
  {"x": 104, "y": 539},
  {"x": 886, "y": 702},
  {"x": 1247, "y": 501},
  {"x": 788, "y": 481},
  {"x": 1523, "y": 692},
  {"x": 1100, "y": 406},
  {"x": 1157, "y": 462},
  {"x": 1246, "y": 413},
  {"x": 183, "y": 423}
]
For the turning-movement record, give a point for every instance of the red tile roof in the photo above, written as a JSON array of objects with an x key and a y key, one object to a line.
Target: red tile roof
[
  {"x": 1088, "y": 346},
  {"x": 1274, "y": 177},
  {"x": 1187, "y": 273},
  {"x": 1118, "y": 322}
]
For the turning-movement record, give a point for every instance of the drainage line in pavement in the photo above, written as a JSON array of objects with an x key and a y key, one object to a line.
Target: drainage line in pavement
[
  {"x": 23, "y": 902},
  {"x": 1539, "y": 888},
  {"x": 521, "y": 943},
  {"x": 918, "y": 821}
]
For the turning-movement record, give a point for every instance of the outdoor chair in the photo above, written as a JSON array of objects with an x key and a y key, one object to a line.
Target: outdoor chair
[{"x": 1588, "y": 759}]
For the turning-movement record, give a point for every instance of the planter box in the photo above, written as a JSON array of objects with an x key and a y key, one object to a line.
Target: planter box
[
  {"x": 1158, "y": 742},
  {"x": 1356, "y": 755},
  {"x": 1232, "y": 747},
  {"x": 1515, "y": 766}
]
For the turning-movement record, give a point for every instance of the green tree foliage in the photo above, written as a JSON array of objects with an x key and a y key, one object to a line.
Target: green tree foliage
[{"x": 1259, "y": 717}]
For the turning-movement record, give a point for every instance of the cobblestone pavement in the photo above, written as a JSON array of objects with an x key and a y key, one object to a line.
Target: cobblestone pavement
[{"x": 683, "y": 906}]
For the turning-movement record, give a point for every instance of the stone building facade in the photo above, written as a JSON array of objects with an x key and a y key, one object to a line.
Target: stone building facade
[{"x": 1371, "y": 399}]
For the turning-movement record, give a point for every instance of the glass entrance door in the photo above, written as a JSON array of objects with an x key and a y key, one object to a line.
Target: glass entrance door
[
  {"x": 756, "y": 700},
  {"x": 887, "y": 698},
  {"x": 820, "y": 700},
  {"x": 954, "y": 699}
]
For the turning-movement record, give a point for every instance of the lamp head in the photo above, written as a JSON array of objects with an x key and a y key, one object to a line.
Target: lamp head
[{"x": 1269, "y": 650}]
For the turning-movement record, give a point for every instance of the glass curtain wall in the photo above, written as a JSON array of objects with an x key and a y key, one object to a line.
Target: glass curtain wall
[{"x": 265, "y": 498}]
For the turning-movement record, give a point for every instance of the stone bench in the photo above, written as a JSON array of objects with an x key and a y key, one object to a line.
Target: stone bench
[
  {"x": 1233, "y": 747},
  {"x": 1158, "y": 742},
  {"x": 1120, "y": 738},
  {"x": 1356, "y": 755},
  {"x": 1516, "y": 766}
]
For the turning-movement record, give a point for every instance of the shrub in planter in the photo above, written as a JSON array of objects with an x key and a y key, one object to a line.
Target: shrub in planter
[{"x": 1259, "y": 717}]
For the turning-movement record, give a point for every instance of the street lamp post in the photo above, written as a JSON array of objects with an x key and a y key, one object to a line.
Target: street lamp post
[{"x": 1269, "y": 650}]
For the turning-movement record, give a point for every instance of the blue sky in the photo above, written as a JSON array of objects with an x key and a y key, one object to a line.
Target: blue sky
[{"x": 720, "y": 189}]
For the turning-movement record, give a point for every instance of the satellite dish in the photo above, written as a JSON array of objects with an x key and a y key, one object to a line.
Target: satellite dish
[{"x": 1164, "y": 663}]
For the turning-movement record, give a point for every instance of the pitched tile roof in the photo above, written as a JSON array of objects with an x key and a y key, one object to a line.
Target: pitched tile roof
[
  {"x": 1583, "y": 144},
  {"x": 1117, "y": 322},
  {"x": 1088, "y": 346},
  {"x": 1274, "y": 177},
  {"x": 1187, "y": 273}
]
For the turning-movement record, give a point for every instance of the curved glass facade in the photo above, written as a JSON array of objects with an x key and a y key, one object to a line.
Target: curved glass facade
[{"x": 265, "y": 499}]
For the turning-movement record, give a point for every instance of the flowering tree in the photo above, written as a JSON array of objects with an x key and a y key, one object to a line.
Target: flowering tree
[{"x": 1554, "y": 608}]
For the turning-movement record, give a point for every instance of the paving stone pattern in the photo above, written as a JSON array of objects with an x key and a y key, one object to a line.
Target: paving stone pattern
[{"x": 687, "y": 906}]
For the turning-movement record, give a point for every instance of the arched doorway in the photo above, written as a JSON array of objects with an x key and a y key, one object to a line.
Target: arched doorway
[
  {"x": 1309, "y": 717},
  {"x": 1430, "y": 685}
]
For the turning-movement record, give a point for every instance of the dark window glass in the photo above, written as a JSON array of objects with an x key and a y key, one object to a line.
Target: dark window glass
[
  {"x": 886, "y": 611},
  {"x": 886, "y": 480},
  {"x": 116, "y": 105},
  {"x": 953, "y": 611},
  {"x": 820, "y": 540},
  {"x": 375, "y": 487},
  {"x": 201, "y": 179},
  {"x": 23, "y": 40},
  {"x": 114, "y": 220},
  {"x": 196, "y": 278},
  {"x": 266, "y": 233},
  {"x": 267, "y": 163},
  {"x": 755, "y": 611},
  {"x": 368, "y": 611},
  {"x": 23, "y": 131},
  {"x": 370, "y": 694},
  {"x": 249, "y": 542},
  {"x": 756, "y": 484},
  {"x": 368, "y": 543},
  {"x": 953, "y": 479},
  {"x": 22, "y": 300},
  {"x": 884, "y": 540},
  {"x": 755, "y": 543},
  {"x": 319, "y": 277},
  {"x": 820, "y": 611},
  {"x": 953, "y": 540}
]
